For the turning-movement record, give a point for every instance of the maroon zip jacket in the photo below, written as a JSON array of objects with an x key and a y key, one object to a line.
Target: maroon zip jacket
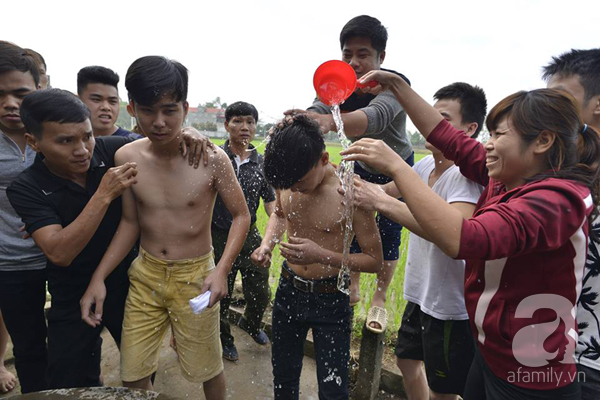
[{"x": 525, "y": 252}]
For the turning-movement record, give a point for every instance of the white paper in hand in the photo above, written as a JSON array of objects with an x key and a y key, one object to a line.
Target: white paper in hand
[{"x": 199, "y": 303}]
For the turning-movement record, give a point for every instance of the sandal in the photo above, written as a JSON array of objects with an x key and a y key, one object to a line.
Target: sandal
[{"x": 379, "y": 316}]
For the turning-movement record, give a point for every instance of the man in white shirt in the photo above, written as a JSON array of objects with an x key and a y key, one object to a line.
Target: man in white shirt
[{"x": 435, "y": 328}]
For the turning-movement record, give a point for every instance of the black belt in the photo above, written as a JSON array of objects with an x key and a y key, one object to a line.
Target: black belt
[{"x": 308, "y": 285}]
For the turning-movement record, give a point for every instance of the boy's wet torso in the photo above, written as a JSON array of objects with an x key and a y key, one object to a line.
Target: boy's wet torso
[{"x": 317, "y": 216}]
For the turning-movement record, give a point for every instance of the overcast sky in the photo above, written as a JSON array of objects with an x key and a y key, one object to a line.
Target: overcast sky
[{"x": 265, "y": 52}]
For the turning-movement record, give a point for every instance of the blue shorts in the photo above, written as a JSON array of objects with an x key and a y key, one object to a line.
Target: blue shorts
[{"x": 389, "y": 230}]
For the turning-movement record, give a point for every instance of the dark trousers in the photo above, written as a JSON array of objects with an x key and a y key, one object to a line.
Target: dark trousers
[
  {"x": 329, "y": 316},
  {"x": 483, "y": 384},
  {"x": 22, "y": 300},
  {"x": 74, "y": 348},
  {"x": 255, "y": 284},
  {"x": 589, "y": 379}
]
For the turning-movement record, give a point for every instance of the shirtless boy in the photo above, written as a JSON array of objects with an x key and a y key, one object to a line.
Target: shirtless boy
[
  {"x": 170, "y": 209},
  {"x": 380, "y": 116},
  {"x": 309, "y": 207}
]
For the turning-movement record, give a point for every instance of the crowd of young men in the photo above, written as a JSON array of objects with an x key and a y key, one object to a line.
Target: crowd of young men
[{"x": 126, "y": 228}]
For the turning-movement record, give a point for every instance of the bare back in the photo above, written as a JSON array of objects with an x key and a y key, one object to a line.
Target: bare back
[
  {"x": 316, "y": 216},
  {"x": 174, "y": 202}
]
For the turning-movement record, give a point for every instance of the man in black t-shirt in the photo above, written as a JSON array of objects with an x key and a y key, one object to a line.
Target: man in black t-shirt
[
  {"x": 69, "y": 202},
  {"x": 240, "y": 123}
]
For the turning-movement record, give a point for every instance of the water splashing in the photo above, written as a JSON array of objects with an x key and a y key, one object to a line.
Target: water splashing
[
  {"x": 264, "y": 142},
  {"x": 346, "y": 174}
]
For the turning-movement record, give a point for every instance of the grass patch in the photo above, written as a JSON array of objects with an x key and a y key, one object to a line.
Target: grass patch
[{"x": 368, "y": 282}]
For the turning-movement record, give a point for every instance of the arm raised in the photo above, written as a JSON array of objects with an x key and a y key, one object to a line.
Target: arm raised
[
  {"x": 421, "y": 113},
  {"x": 440, "y": 222},
  {"x": 62, "y": 244},
  {"x": 372, "y": 197}
]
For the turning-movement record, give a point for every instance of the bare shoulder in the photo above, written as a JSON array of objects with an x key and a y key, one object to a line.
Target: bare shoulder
[
  {"x": 130, "y": 151},
  {"x": 218, "y": 156},
  {"x": 333, "y": 182},
  {"x": 217, "y": 159}
]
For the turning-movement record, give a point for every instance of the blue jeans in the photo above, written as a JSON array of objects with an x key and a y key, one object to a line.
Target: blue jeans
[{"x": 329, "y": 315}]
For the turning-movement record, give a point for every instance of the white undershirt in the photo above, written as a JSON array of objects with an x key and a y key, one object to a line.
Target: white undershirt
[{"x": 239, "y": 162}]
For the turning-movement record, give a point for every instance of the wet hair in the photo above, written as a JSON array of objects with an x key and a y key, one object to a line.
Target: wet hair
[
  {"x": 150, "y": 78},
  {"x": 584, "y": 63},
  {"x": 367, "y": 27},
  {"x": 37, "y": 57},
  {"x": 473, "y": 103},
  {"x": 14, "y": 58},
  {"x": 575, "y": 154},
  {"x": 296, "y": 146},
  {"x": 240, "y": 108},
  {"x": 96, "y": 74},
  {"x": 51, "y": 105}
]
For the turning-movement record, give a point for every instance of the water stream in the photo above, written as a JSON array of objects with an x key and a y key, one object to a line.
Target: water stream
[{"x": 346, "y": 174}]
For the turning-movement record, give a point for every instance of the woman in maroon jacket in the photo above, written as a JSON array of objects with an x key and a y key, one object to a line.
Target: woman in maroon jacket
[{"x": 525, "y": 247}]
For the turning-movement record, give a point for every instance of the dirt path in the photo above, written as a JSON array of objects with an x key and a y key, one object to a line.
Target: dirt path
[{"x": 249, "y": 379}]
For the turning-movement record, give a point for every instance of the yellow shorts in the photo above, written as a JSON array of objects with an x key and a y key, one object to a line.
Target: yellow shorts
[{"x": 159, "y": 297}]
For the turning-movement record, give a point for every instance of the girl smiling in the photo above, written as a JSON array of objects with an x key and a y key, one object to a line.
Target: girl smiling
[{"x": 525, "y": 247}]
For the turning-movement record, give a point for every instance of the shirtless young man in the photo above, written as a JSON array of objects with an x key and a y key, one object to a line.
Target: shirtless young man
[
  {"x": 171, "y": 207},
  {"x": 309, "y": 207},
  {"x": 380, "y": 116}
]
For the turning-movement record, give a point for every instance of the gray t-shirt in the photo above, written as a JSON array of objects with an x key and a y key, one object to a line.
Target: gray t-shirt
[
  {"x": 386, "y": 121},
  {"x": 16, "y": 254}
]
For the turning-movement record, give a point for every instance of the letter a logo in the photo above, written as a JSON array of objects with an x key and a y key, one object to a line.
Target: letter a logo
[{"x": 528, "y": 343}]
